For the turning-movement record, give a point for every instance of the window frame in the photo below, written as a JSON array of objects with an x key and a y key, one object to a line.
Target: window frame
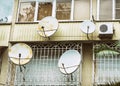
[
  {"x": 113, "y": 10},
  {"x": 54, "y": 2},
  {"x": 109, "y": 60},
  {"x": 36, "y": 9}
]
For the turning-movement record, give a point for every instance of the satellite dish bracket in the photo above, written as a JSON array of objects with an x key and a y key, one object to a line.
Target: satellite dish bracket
[
  {"x": 44, "y": 32},
  {"x": 66, "y": 72},
  {"x": 48, "y": 26},
  {"x": 87, "y": 32},
  {"x": 93, "y": 19},
  {"x": 21, "y": 66},
  {"x": 64, "y": 68},
  {"x": 19, "y": 62}
]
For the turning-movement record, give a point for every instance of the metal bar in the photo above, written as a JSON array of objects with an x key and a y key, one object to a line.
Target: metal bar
[{"x": 43, "y": 69}]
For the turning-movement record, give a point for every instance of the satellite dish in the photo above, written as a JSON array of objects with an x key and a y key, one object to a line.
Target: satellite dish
[
  {"x": 69, "y": 61},
  {"x": 20, "y": 53},
  {"x": 47, "y": 26},
  {"x": 87, "y": 27}
]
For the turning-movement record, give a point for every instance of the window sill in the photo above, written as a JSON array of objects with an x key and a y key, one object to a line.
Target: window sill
[
  {"x": 26, "y": 22},
  {"x": 64, "y": 21},
  {"x": 5, "y": 23},
  {"x": 107, "y": 20},
  {"x": 60, "y": 21}
]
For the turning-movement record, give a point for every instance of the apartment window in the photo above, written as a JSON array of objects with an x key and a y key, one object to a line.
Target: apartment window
[
  {"x": 43, "y": 69},
  {"x": 108, "y": 9},
  {"x": 44, "y": 9},
  {"x": 82, "y": 9},
  {"x": 63, "y": 9},
  {"x": 107, "y": 69},
  {"x": 35, "y": 10},
  {"x": 26, "y": 11},
  {"x": 105, "y": 9},
  {"x": 117, "y": 9},
  {"x": 107, "y": 66},
  {"x": 6, "y": 8}
]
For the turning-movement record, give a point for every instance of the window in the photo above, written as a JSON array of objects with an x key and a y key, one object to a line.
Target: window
[
  {"x": 35, "y": 10},
  {"x": 108, "y": 9},
  {"x": 108, "y": 68},
  {"x": 63, "y": 10},
  {"x": 82, "y": 9},
  {"x": 105, "y": 9},
  {"x": 26, "y": 11},
  {"x": 44, "y": 9},
  {"x": 6, "y": 7},
  {"x": 117, "y": 9},
  {"x": 43, "y": 69},
  {"x": 107, "y": 65}
]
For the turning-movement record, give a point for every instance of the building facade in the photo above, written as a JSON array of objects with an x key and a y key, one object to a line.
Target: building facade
[{"x": 99, "y": 50}]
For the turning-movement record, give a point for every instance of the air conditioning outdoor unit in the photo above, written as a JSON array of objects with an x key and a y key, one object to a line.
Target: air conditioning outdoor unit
[{"x": 106, "y": 30}]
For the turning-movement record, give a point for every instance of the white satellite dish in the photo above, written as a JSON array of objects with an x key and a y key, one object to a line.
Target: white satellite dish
[
  {"x": 69, "y": 61},
  {"x": 47, "y": 26},
  {"x": 20, "y": 53},
  {"x": 87, "y": 27}
]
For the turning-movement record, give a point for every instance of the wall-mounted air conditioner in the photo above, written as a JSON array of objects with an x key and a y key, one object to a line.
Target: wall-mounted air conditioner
[{"x": 106, "y": 30}]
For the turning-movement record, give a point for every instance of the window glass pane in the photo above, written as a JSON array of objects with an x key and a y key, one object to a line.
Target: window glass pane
[
  {"x": 117, "y": 14},
  {"x": 117, "y": 3},
  {"x": 105, "y": 9},
  {"x": 63, "y": 9},
  {"x": 117, "y": 9},
  {"x": 26, "y": 11},
  {"x": 107, "y": 64},
  {"x": 107, "y": 68},
  {"x": 6, "y": 8},
  {"x": 82, "y": 10},
  {"x": 44, "y": 9}
]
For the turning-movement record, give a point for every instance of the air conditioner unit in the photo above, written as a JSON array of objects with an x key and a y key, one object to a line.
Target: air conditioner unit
[{"x": 106, "y": 30}]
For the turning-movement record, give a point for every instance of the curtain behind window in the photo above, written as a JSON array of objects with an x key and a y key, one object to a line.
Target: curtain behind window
[
  {"x": 117, "y": 9},
  {"x": 63, "y": 9},
  {"x": 105, "y": 9},
  {"x": 44, "y": 9},
  {"x": 82, "y": 10}
]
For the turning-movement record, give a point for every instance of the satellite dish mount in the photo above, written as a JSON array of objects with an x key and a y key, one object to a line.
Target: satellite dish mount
[
  {"x": 87, "y": 27},
  {"x": 20, "y": 54},
  {"x": 69, "y": 62},
  {"x": 47, "y": 26}
]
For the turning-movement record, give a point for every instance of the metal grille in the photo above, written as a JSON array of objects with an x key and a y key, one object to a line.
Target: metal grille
[
  {"x": 42, "y": 70},
  {"x": 107, "y": 66}
]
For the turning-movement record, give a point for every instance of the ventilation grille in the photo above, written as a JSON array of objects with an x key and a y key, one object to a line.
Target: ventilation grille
[{"x": 106, "y": 30}]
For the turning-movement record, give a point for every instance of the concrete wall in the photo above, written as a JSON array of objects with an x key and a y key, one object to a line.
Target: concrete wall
[
  {"x": 87, "y": 68},
  {"x": 4, "y": 68}
]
